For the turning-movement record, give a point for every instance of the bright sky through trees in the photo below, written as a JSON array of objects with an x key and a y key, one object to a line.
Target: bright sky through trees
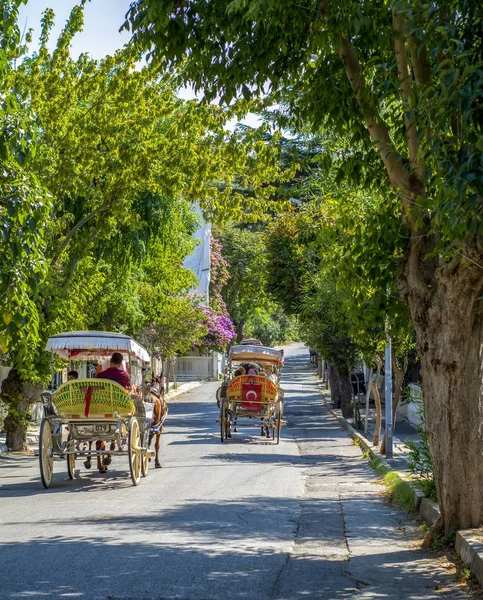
[{"x": 103, "y": 18}]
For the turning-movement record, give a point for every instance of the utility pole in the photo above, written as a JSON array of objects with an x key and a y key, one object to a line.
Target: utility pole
[{"x": 388, "y": 388}]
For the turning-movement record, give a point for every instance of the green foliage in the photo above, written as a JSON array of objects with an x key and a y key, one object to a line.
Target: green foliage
[
  {"x": 273, "y": 327},
  {"x": 399, "y": 490},
  {"x": 378, "y": 466},
  {"x": 238, "y": 49},
  {"x": 446, "y": 541},
  {"x": 465, "y": 573},
  {"x": 179, "y": 326},
  {"x": 420, "y": 461},
  {"x": 121, "y": 157},
  {"x": 244, "y": 293}
]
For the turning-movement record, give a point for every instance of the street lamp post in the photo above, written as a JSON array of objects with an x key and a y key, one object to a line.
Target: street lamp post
[{"x": 388, "y": 388}]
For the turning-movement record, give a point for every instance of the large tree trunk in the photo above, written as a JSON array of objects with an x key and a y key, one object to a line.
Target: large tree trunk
[
  {"x": 18, "y": 395},
  {"x": 239, "y": 330},
  {"x": 448, "y": 318},
  {"x": 340, "y": 391}
]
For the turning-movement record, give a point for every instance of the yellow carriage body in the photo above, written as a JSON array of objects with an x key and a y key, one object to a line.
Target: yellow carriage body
[{"x": 93, "y": 398}]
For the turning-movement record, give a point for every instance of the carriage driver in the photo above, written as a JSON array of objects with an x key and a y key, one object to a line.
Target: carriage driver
[{"x": 115, "y": 372}]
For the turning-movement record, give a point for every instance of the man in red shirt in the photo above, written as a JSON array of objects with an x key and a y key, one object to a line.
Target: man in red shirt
[{"x": 115, "y": 372}]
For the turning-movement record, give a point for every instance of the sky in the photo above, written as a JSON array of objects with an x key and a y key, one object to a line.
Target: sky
[{"x": 102, "y": 20}]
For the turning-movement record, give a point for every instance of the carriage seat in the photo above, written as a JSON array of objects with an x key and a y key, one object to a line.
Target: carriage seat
[{"x": 101, "y": 398}]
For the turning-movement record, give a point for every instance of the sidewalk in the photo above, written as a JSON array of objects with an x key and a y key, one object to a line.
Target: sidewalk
[
  {"x": 468, "y": 543},
  {"x": 34, "y": 428}
]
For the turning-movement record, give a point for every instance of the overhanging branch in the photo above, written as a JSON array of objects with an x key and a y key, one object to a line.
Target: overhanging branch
[
  {"x": 405, "y": 83},
  {"x": 76, "y": 227},
  {"x": 378, "y": 129}
]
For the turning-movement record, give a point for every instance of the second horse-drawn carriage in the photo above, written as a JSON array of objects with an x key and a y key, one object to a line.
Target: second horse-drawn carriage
[
  {"x": 251, "y": 390},
  {"x": 95, "y": 417}
]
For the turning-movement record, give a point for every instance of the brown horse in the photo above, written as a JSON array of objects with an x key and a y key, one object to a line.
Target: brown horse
[{"x": 160, "y": 413}]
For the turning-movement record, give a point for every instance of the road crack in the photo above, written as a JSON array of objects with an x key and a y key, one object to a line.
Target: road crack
[
  {"x": 296, "y": 535},
  {"x": 358, "y": 582}
]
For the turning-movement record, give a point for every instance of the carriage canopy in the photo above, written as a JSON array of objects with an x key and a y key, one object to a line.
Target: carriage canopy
[
  {"x": 92, "y": 345},
  {"x": 255, "y": 353}
]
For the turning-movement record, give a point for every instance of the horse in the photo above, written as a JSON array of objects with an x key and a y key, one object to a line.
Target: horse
[
  {"x": 103, "y": 460},
  {"x": 160, "y": 412}
]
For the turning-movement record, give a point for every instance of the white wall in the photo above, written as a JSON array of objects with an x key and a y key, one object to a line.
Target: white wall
[
  {"x": 199, "y": 260},
  {"x": 414, "y": 404},
  {"x": 200, "y": 367}
]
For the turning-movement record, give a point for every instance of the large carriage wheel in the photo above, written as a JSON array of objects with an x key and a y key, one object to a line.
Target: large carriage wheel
[
  {"x": 223, "y": 417},
  {"x": 46, "y": 453},
  {"x": 134, "y": 451},
  {"x": 70, "y": 458}
]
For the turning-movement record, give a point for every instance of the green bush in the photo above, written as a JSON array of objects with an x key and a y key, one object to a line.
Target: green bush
[{"x": 420, "y": 461}]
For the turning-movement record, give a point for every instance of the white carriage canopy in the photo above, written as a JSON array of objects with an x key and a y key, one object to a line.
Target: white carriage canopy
[
  {"x": 92, "y": 345},
  {"x": 254, "y": 353}
]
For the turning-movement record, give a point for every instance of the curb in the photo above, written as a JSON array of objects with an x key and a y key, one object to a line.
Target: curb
[
  {"x": 418, "y": 495},
  {"x": 469, "y": 542},
  {"x": 469, "y": 545}
]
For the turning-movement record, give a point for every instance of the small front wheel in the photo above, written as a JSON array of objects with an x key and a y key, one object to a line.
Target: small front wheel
[
  {"x": 70, "y": 459},
  {"x": 223, "y": 419},
  {"x": 46, "y": 453},
  {"x": 134, "y": 451}
]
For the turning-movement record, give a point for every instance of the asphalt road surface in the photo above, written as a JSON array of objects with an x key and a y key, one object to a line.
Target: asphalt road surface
[{"x": 246, "y": 519}]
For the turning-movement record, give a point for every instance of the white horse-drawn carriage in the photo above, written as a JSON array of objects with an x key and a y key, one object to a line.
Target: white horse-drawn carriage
[
  {"x": 251, "y": 390},
  {"x": 90, "y": 416}
]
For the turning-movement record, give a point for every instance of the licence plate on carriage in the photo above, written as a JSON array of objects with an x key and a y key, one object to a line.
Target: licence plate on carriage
[
  {"x": 85, "y": 430},
  {"x": 101, "y": 428}
]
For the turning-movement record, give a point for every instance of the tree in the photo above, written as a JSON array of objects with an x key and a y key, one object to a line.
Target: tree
[
  {"x": 403, "y": 79},
  {"x": 96, "y": 222},
  {"x": 244, "y": 292}
]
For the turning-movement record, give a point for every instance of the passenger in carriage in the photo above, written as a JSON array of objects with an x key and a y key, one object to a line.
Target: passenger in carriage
[
  {"x": 71, "y": 375},
  {"x": 115, "y": 372},
  {"x": 240, "y": 371},
  {"x": 252, "y": 368}
]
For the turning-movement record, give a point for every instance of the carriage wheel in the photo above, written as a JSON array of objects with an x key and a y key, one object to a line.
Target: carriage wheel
[
  {"x": 279, "y": 425},
  {"x": 134, "y": 450},
  {"x": 145, "y": 459},
  {"x": 46, "y": 453},
  {"x": 70, "y": 459},
  {"x": 223, "y": 416}
]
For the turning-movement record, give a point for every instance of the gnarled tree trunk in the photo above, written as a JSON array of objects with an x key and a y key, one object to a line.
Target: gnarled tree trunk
[
  {"x": 18, "y": 395},
  {"x": 340, "y": 390},
  {"x": 448, "y": 317}
]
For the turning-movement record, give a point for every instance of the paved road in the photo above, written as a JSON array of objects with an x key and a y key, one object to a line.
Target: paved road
[{"x": 246, "y": 519}]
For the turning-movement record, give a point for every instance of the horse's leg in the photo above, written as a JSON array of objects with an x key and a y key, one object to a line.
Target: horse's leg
[
  {"x": 150, "y": 439},
  {"x": 157, "y": 444},
  {"x": 100, "y": 459},
  {"x": 87, "y": 462},
  {"x": 108, "y": 457}
]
